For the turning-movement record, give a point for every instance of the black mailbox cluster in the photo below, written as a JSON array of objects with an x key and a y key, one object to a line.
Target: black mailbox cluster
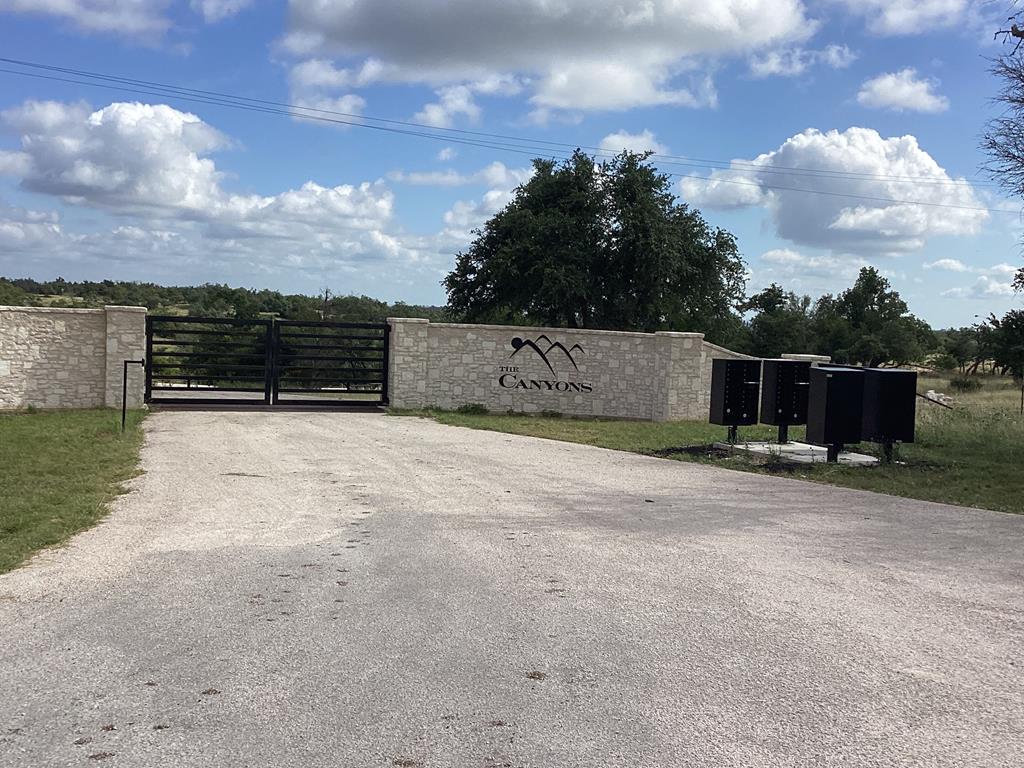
[
  {"x": 784, "y": 394},
  {"x": 840, "y": 405},
  {"x": 734, "y": 388}
]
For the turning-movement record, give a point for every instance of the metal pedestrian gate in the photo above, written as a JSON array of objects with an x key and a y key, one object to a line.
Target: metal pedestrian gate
[{"x": 265, "y": 362}]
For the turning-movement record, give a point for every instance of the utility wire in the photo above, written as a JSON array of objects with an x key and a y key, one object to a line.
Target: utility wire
[
  {"x": 240, "y": 103},
  {"x": 668, "y": 159}
]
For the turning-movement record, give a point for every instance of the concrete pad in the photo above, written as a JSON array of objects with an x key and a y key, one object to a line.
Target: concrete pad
[
  {"x": 800, "y": 453},
  {"x": 328, "y": 589}
]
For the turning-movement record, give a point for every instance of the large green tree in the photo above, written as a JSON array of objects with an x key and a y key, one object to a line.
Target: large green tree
[
  {"x": 869, "y": 324},
  {"x": 781, "y": 322},
  {"x": 598, "y": 245},
  {"x": 1007, "y": 342}
]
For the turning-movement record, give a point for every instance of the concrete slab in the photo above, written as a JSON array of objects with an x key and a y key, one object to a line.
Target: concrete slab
[
  {"x": 325, "y": 589},
  {"x": 800, "y": 453}
]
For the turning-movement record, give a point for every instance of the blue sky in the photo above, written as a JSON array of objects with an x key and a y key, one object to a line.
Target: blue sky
[{"x": 872, "y": 106}]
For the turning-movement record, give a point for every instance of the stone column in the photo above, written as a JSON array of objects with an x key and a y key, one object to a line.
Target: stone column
[
  {"x": 126, "y": 340},
  {"x": 408, "y": 362},
  {"x": 677, "y": 391}
]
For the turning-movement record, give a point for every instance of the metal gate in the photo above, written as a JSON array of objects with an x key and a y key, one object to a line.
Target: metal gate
[{"x": 265, "y": 362}]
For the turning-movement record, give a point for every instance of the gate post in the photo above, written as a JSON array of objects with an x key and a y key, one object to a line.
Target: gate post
[
  {"x": 126, "y": 340},
  {"x": 408, "y": 362},
  {"x": 270, "y": 331}
]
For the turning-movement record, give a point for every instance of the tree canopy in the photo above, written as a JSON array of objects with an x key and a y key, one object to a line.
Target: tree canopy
[{"x": 598, "y": 245}]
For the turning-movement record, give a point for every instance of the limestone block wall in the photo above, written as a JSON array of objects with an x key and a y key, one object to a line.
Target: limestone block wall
[
  {"x": 69, "y": 358},
  {"x": 658, "y": 376}
]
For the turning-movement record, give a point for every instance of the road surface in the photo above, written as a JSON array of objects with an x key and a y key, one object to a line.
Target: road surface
[{"x": 339, "y": 589}]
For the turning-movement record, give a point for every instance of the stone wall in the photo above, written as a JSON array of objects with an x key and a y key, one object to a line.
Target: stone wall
[
  {"x": 70, "y": 358},
  {"x": 659, "y": 376}
]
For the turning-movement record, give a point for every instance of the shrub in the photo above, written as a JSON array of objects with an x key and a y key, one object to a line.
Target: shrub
[
  {"x": 551, "y": 414},
  {"x": 472, "y": 409},
  {"x": 944, "y": 362},
  {"x": 965, "y": 383}
]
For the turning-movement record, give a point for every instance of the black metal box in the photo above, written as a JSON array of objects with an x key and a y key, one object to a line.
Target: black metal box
[
  {"x": 784, "y": 391},
  {"x": 835, "y": 405},
  {"x": 734, "y": 389},
  {"x": 890, "y": 405}
]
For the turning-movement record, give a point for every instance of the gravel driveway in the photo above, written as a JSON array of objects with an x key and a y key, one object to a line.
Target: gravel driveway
[{"x": 337, "y": 589}]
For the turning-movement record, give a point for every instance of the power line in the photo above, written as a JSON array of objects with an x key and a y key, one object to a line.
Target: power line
[
  {"x": 240, "y": 103},
  {"x": 735, "y": 166}
]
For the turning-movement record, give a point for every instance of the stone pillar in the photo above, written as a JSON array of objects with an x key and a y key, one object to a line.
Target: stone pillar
[
  {"x": 408, "y": 362},
  {"x": 126, "y": 340},
  {"x": 678, "y": 370},
  {"x": 812, "y": 359}
]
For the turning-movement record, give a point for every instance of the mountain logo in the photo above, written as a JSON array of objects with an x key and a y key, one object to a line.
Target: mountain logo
[{"x": 543, "y": 346}]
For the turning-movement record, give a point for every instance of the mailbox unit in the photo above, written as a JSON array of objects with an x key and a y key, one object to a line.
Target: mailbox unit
[
  {"x": 734, "y": 392},
  {"x": 835, "y": 407},
  {"x": 784, "y": 391},
  {"x": 890, "y": 406}
]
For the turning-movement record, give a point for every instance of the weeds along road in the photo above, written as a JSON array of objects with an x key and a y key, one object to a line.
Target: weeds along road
[{"x": 337, "y": 589}]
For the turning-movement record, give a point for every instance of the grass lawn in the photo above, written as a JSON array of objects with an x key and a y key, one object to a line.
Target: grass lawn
[
  {"x": 58, "y": 472},
  {"x": 972, "y": 455}
]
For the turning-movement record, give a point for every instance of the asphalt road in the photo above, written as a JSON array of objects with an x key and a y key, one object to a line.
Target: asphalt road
[{"x": 347, "y": 590}]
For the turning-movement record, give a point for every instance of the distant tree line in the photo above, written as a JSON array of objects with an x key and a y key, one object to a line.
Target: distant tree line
[{"x": 208, "y": 300}]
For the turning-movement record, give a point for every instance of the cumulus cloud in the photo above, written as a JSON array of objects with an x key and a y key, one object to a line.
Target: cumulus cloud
[
  {"x": 152, "y": 167},
  {"x": 645, "y": 141},
  {"x": 910, "y": 17},
  {"x": 806, "y": 185},
  {"x": 900, "y": 91},
  {"x": 452, "y": 101},
  {"x": 446, "y": 154},
  {"x": 984, "y": 287},
  {"x": 320, "y": 107},
  {"x": 495, "y": 175},
  {"x": 140, "y": 19},
  {"x": 137, "y": 17},
  {"x": 787, "y": 262},
  {"x": 13, "y": 163},
  {"x": 790, "y": 62},
  {"x": 949, "y": 265},
  {"x": 573, "y": 55}
]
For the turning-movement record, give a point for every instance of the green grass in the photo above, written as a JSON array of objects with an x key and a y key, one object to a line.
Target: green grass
[
  {"x": 972, "y": 455},
  {"x": 59, "y": 470}
]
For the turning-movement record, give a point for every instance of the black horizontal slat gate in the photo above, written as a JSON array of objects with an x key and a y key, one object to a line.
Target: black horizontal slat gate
[
  {"x": 327, "y": 363},
  {"x": 265, "y": 362}
]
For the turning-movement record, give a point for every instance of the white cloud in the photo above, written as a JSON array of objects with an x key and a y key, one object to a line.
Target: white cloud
[
  {"x": 495, "y": 175},
  {"x": 983, "y": 288},
  {"x": 786, "y": 262},
  {"x": 446, "y": 154},
  {"x": 910, "y": 17},
  {"x": 218, "y": 10},
  {"x": 139, "y": 19},
  {"x": 1002, "y": 269},
  {"x": 467, "y": 215},
  {"x": 645, "y": 141},
  {"x": 811, "y": 206},
  {"x": 949, "y": 265},
  {"x": 14, "y": 163},
  {"x": 150, "y": 167},
  {"x": 316, "y": 107},
  {"x": 573, "y": 54},
  {"x": 790, "y": 62},
  {"x": 321, "y": 74},
  {"x": 901, "y": 91},
  {"x": 134, "y": 17},
  {"x": 453, "y": 100}
]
